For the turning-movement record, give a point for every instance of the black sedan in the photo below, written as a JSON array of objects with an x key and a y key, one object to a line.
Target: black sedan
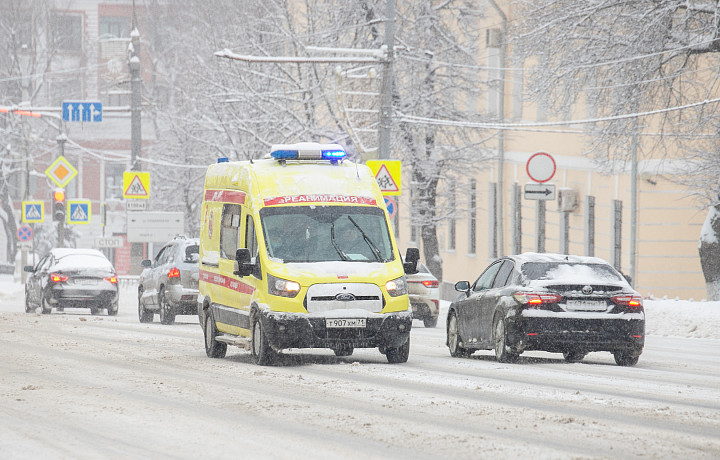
[
  {"x": 72, "y": 278},
  {"x": 550, "y": 302}
]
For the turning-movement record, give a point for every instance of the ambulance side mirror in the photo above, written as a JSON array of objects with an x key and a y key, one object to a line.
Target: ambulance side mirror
[
  {"x": 412, "y": 255},
  {"x": 243, "y": 263}
]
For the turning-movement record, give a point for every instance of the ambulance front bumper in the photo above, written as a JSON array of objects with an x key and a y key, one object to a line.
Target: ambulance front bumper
[{"x": 298, "y": 330}]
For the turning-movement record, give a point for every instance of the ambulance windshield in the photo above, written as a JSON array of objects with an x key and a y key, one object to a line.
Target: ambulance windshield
[{"x": 326, "y": 233}]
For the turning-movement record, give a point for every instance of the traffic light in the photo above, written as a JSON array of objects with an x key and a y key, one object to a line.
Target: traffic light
[{"x": 58, "y": 205}]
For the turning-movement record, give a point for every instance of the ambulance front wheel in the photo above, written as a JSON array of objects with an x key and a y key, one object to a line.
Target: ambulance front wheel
[
  {"x": 399, "y": 354},
  {"x": 262, "y": 352},
  {"x": 213, "y": 348}
]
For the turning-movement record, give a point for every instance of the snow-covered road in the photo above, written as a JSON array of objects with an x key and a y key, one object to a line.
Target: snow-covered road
[{"x": 74, "y": 385}]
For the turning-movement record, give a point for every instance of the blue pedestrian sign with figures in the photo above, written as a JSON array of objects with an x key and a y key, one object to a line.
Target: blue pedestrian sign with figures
[
  {"x": 33, "y": 212},
  {"x": 82, "y": 111},
  {"x": 78, "y": 212}
]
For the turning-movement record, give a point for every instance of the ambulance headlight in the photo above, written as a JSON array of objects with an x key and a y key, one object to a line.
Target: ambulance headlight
[
  {"x": 397, "y": 287},
  {"x": 281, "y": 287}
]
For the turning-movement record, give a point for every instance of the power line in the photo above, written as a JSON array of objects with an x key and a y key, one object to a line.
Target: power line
[{"x": 522, "y": 126}]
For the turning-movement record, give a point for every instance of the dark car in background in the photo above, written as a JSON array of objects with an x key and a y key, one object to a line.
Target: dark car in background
[
  {"x": 72, "y": 278},
  {"x": 169, "y": 283},
  {"x": 424, "y": 293},
  {"x": 557, "y": 303}
]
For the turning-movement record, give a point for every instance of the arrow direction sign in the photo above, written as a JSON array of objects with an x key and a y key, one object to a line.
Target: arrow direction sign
[
  {"x": 539, "y": 191},
  {"x": 84, "y": 111}
]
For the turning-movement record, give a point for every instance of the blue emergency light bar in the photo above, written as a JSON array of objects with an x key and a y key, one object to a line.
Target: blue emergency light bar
[{"x": 307, "y": 151}]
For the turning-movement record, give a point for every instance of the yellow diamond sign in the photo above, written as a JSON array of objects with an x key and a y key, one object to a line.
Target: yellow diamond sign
[{"x": 61, "y": 171}]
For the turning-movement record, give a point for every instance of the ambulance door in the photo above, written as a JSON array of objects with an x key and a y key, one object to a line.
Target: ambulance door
[{"x": 251, "y": 282}]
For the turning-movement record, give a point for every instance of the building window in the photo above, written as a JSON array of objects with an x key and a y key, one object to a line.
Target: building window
[
  {"x": 67, "y": 32},
  {"x": 472, "y": 215},
  {"x": 114, "y": 27}
]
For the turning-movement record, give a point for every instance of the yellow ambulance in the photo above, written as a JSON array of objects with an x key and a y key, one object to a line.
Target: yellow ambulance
[{"x": 296, "y": 251}]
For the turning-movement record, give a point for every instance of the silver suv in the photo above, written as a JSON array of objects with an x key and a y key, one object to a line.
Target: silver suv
[{"x": 169, "y": 284}]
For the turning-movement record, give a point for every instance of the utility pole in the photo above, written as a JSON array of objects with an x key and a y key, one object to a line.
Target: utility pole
[
  {"x": 136, "y": 96},
  {"x": 501, "y": 138},
  {"x": 387, "y": 90}
]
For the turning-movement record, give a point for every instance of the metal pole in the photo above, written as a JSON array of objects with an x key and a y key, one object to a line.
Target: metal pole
[
  {"x": 386, "y": 105},
  {"x": 501, "y": 137},
  {"x": 633, "y": 203},
  {"x": 590, "y": 225},
  {"x": 135, "y": 100},
  {"x": 540, "y": 226}
]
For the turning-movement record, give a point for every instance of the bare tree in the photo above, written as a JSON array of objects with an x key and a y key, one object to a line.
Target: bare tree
[{"x": 621, "y": 58}]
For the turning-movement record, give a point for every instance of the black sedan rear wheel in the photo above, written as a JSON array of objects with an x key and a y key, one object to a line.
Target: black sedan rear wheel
[
  {"x": 503, "y": 354},
  {"x": 623, "y": 358},
  {"x": 574, "y": 356}
]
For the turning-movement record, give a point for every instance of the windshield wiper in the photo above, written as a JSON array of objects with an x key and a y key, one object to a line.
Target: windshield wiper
[
  {"x": 375, "y": 250},
  {"x": 335, "y": 245}
]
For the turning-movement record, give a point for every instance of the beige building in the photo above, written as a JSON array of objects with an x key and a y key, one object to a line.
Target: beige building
[{"x": 667, "y": 220}]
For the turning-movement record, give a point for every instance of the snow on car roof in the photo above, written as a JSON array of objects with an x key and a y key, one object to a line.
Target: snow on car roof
[{"x": 551, "y": 257}]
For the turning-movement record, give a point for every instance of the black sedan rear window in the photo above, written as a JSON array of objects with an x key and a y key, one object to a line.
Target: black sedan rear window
[{"x": 569, "y": 271}]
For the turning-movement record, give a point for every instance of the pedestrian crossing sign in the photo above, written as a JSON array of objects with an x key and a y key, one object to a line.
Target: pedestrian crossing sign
[
  {"x": 78, "y": 212},
  {"x": 136, "y": 184},
  {"x": 33, "y": 212}
]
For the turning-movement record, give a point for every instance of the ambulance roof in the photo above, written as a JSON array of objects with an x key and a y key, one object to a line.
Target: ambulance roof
[{"x": 274, "y": 182}]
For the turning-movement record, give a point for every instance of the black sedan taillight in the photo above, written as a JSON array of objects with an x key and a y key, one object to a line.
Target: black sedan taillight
[
  {"x": 629, "y": 301},
  {"x": 537, "y": 299}
]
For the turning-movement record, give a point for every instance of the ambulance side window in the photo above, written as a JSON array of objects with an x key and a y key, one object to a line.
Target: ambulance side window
[{"x": 229, "y": 231}]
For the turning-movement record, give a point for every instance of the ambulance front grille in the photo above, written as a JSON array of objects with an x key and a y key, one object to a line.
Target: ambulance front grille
[{"x": 343, "y": 296}]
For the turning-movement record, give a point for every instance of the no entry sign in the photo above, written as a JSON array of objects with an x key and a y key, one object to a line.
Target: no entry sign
[{"x": 541, "y": 167}]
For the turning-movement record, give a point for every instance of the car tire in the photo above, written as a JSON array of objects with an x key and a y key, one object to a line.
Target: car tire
[
  {"x": 343, "y": 350},
  {"x": 430, "y": 321},
  {"x": 262, "y": 352},
  {"x": 143, "y": 315},
  {"x": 94, "y": 310},
  {"x": 46, "y": 308},
  {"x": 574, "y": 356},
  {"x": 113, "y": 309},
  {"x": 623, "y": 358},
  {"x": 502, "y": 351},
  {"x": 167, "y": 316},
  {"x": 453, "y": 338},
  {"x": 399, "y": 354},
  {"x": 213, "y": 348},
  {"x": 28, "y": 308}
]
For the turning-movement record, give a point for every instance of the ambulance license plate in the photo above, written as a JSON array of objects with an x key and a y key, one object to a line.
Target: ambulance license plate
[{"x": 344, "y": 322}]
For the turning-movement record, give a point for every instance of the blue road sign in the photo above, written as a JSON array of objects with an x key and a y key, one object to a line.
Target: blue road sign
[
  {"x": 79, "y": 212},
  {"x": 33, "y": 212},
  {"x": 24, "y": 233},
  {"x": 391, "y": 206},
  {"x": 82, "y": 111}
]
